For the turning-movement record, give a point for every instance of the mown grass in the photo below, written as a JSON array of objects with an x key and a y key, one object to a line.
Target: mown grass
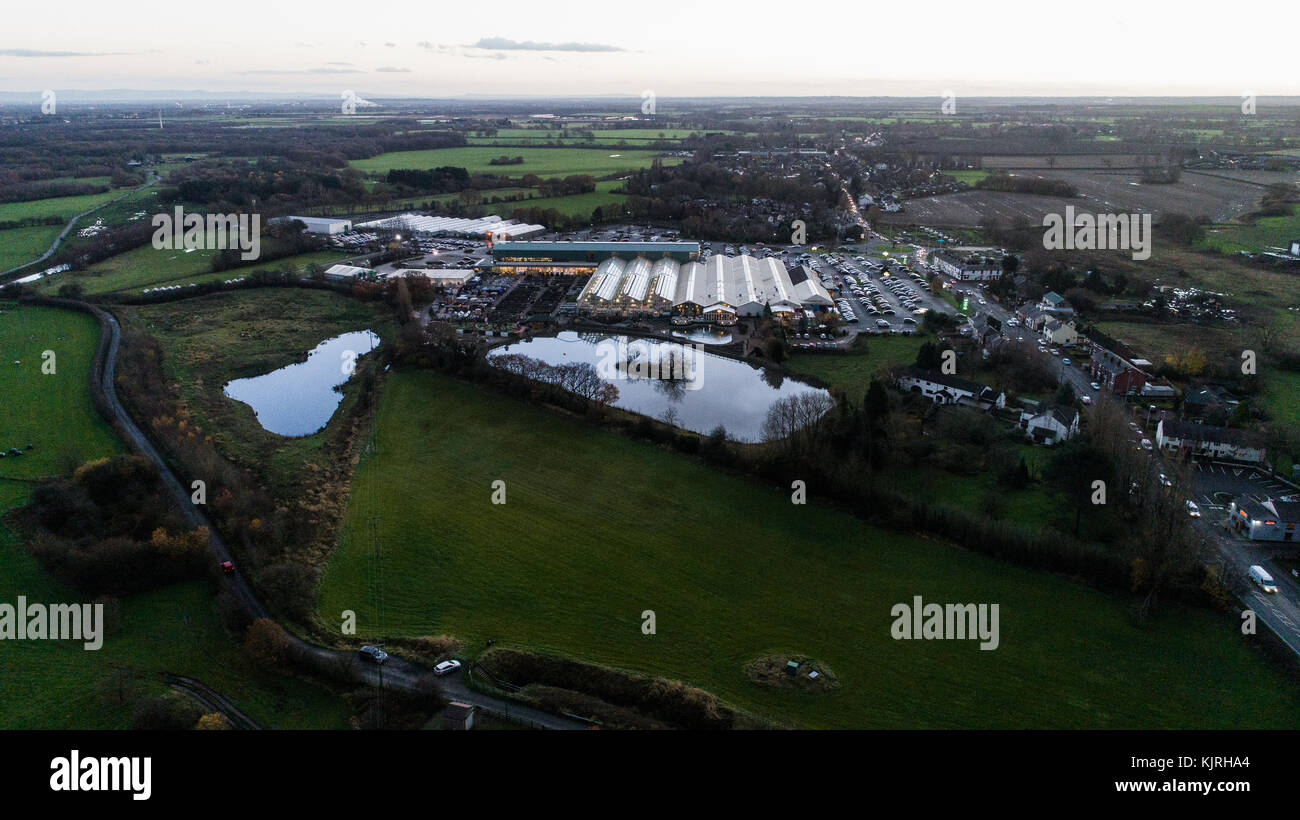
[
  {"x": 598, "y": 528},
  {"x": 60, "y": 685}
]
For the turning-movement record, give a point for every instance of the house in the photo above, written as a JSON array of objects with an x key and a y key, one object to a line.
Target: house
[
  {"x": 1053, "y": 302},
  {"x": 1050, "y": 425},
  {"x": 1032, "y": 316},
  {"x": 458, "y": 716},
  {"x": 1208, "y": 441},
  {"x": 1208, "y": 402},
  {"x": 969, "y": 269},
  {"x": 1269, "y": 519},
  {"x": 1157, "y": 391},
  {"x": 942, "y": 388},
  {"x": 1059, "y": 332},
  {"x": 1115, "y": 373}
]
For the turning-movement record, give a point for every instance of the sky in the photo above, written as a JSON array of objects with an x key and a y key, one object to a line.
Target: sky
[{"x": 435, "y": 48}]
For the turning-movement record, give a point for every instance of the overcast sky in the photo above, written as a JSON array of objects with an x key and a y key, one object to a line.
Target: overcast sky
[{"x": 441, "y": 48}]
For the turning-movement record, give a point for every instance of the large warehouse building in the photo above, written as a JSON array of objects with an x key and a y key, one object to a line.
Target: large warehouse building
[
  {"x": 716, "y": 291},
  {"x": 582, "y": 257}
]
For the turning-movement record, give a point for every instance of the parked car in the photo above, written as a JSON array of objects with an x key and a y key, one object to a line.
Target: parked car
[
  {"x": 1193, "y": 509},
  {"x": 1065, "y": 362},
  {"x": 1095, "y": 385},
  {"x": 446, "y": 667},
  {"x": 373, "y": 654}
]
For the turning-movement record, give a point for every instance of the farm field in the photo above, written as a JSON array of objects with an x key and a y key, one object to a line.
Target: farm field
[
  {"x": 64, "y": 206},
  {"x": 545, "y": 162},
  {"x": 1214, "y": 197},
  {"x": 18, "y": 246},
  {"x": 968, "y": 175},
  {"x": 575, "y": 204},
  {"x": 150, "y": 267},
  {"x": 567, "y": 566},
  {"x": 59, "y": 685},
  {"x": 1267, "y": 233}
]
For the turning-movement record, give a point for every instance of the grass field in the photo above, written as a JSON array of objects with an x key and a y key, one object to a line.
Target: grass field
[
  {"x": 18, "y": 246},
  {"x": 598, "y": 528},
  {"x": 148, "y": 266},
  {"x": 64, "y": 206},
  {"x": 59, "y": 685},
  {"x": 1267, "y": 232},
  {"x": 574, "y": 204},
  {"x": 853, "y": 372},
  {"x": 970, "y": 176},
  {"x": 544, "y": 162}
]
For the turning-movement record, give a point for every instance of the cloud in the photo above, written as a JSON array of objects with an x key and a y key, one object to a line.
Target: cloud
[
  {"x": 31, "y": 52},
  {"x": 336, "y": 62},
  {"x": 504, "y": 44},
  {"x": 268, "y": 71},
  {"x": 391, "y": 45},
  {"x": 388, "y": 69}
]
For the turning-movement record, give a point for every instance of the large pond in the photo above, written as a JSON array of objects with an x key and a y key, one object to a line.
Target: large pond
[
  {"x": 299, "y": 399},
  {"x": 680, "y": 384}
]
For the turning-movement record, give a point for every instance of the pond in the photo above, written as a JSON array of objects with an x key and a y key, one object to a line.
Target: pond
[
  {"x": 299, "y": 399},
  {"x": 709, "y": 390}
]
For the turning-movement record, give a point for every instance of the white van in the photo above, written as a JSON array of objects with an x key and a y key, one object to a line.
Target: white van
[{"x": 1261, "y": 577}]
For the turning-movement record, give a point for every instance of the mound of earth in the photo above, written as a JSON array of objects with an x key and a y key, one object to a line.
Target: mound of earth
[{"x": 774, "y": 670}]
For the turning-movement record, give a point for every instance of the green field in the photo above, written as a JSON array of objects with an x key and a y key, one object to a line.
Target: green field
[
  {"x": 59, "y": 685},
  {"x": 64, "y": 206},
  {"x": 853, "y": 372},
  {"x": 598, "y": 528},
  {"x": 544, "y": 162},
  {"x": 18, "y": 246},
  {"x": 148, "y": 266},
  {"x": 1267, "y": 232},
  {"x": 574, "y": 204},
  {"x": 969, "y": 176}
]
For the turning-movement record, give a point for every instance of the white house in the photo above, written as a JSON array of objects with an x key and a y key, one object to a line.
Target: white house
[
  {"x": 1050, "y": 425},
  {"x": 1208, "y": 441},
  {"x": 970, "y": 269},
  {"x": 1059, "y": 332},
  {"x": 944, "y": 389}
]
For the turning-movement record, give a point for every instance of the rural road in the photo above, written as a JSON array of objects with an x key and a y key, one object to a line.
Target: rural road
[
  {"x": 396, "y": 672},
  {"x": 66, "y": 228}
]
